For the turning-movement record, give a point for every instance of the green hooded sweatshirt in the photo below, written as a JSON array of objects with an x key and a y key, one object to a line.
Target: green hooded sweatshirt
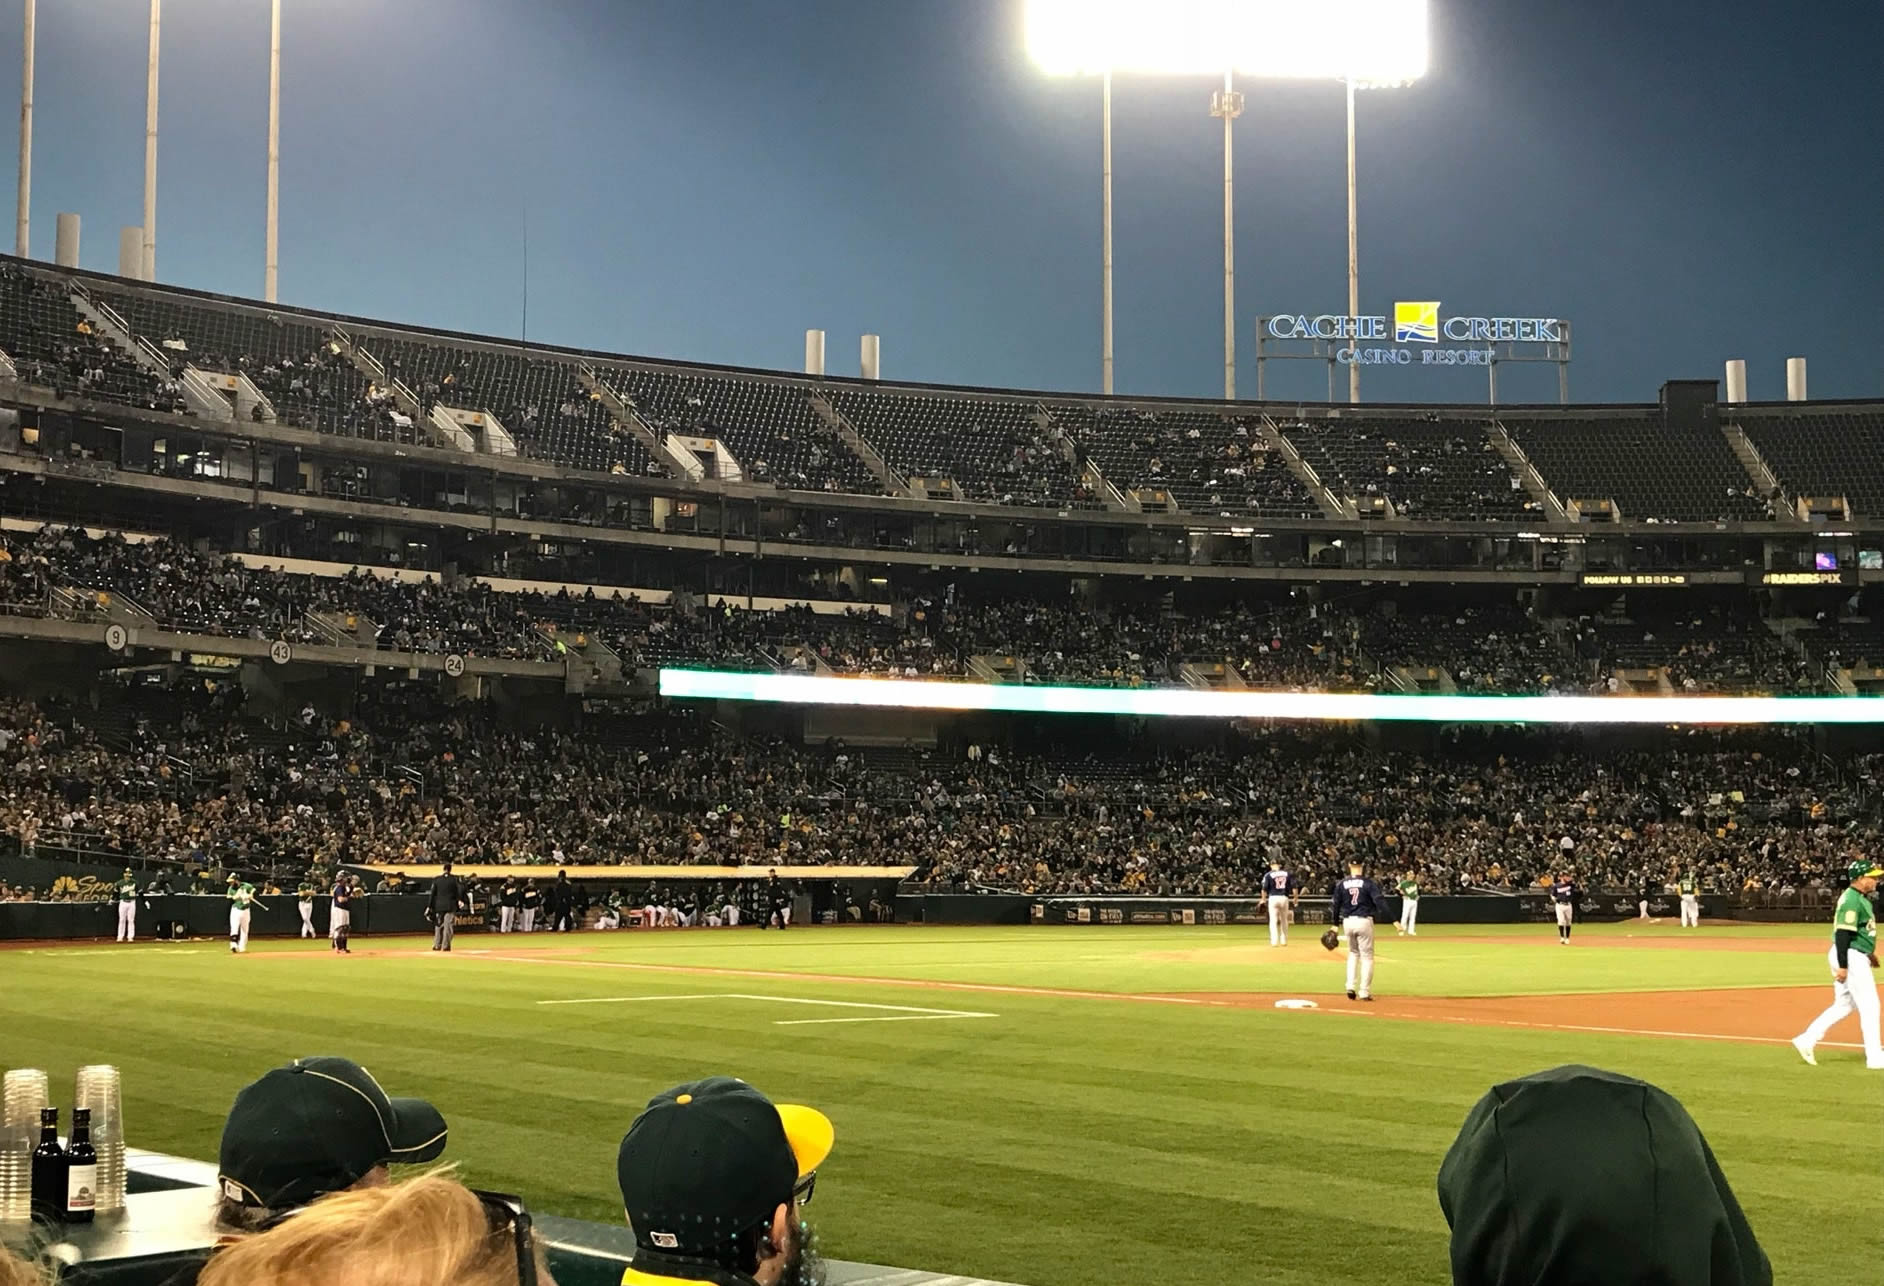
[{"x": 1581, "y": 1177}]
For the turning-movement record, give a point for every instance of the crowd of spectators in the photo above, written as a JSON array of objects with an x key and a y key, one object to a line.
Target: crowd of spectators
[
  {"x": 187, "y": 775},
  {"x": 1286, "y": 643}
]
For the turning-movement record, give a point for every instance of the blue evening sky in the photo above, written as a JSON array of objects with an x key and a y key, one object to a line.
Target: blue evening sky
[{"x": 705, "y": 179}]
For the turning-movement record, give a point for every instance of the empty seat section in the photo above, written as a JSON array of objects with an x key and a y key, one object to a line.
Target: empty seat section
[
  {"x": 770, "y": 426},
  {"x": 1653, "y": 472},
  {"x": 990, "y": 448}
]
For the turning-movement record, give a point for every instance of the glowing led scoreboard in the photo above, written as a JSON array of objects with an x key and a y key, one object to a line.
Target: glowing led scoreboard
[{"x": 1193, "y": 703}]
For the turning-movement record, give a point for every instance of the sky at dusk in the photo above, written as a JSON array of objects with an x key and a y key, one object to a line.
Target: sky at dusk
[{"x": 705, "y": 179}]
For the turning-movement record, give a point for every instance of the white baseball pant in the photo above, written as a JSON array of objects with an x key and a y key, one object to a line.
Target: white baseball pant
[
  {"x": 506, "y": 919},
  {"x": 127, "y": 920},
  {"x": 1690, "y": 911},
  {"x": 1359, "y": 931},
  {"x": 1566, "y": 914},
  {"x": 339, "y": 921},
  {"x": 529, "y": 919},
  {"x": 732, "y": 916},
  {"x": 1858, "y": 993},
  {"x": 306, "y": 907},
  {"x": 1278, "y": 919},
  {"x": 239, "y": 928},
  {"x": 1409, "y": 915}
]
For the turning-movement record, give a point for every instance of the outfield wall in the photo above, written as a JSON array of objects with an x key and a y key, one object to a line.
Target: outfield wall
[{"x": 1520, "y": 908}]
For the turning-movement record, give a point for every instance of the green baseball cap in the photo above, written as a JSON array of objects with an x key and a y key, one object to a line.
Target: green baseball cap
[
  {"x": 1862, "y": 868},
  {"x": 316, "y": 1126}
]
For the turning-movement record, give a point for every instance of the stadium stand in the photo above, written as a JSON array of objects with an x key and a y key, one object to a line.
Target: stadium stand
[
  {"x": 1652, "y": 471},
  {"x": 1828, "y": 453},
  {"x": 990, "y": 448},
  {"x": 770, "y": 427},
  {"x": 188, "y": 774},
  {"x": 52, "y": 344},
  {"x": 1424, "y": 468},
  {"x": 540, "y": 401},
  {"x": 1205, "y": 461}
]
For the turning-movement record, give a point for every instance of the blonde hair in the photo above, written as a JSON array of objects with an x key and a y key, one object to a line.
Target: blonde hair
[
  {"x": 428, "y": 1231},
  {"x": 15, "y": 1271}
]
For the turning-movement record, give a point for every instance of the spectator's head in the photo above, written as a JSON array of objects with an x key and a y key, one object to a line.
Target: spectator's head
[
  {"x": 1577, "y": 1175},
  {"x": 712, "y": 1177},
  {"x": 18, "y": 1272},
  {"x": 428, "y": 1231},
  {"x": 316, "y": 1126}
]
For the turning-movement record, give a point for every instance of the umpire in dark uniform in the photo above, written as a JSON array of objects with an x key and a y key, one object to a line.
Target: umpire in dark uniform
[
  {"x": 562, "y": 903},
  {"x": 446, "y": 897}
]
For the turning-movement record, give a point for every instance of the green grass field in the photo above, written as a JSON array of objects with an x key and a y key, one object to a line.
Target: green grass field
[{"x": 1064, "y": 1139}]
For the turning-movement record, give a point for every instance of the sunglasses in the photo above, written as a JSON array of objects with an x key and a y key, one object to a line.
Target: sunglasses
[
  {"x": 802, "y": 1190},
  {"x": 507, "y": 1212}
]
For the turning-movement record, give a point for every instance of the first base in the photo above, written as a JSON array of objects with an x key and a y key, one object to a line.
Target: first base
[{"x": 1297, "y": 1004}]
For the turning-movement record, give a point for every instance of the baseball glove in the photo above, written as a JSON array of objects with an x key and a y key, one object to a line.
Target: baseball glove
[{"x": 1330, "y": 939}]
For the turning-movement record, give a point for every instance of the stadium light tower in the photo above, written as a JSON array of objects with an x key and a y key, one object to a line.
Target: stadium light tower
[
  {"x": 1361, "y": 42},
  {"x": 23, "y": 218},
  {"x": 274, "y": 154},
  {"x": 150, "y": 141}
]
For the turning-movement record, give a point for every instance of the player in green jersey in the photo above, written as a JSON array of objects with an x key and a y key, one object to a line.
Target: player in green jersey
[
  {"x": 241, "y": 898},
  {"x": 304, "y": 902},
  {"x": 1690, "y": 890},
  {"x": 1409, "y": 889},
  {"x": 1853, "y": 959},
  {"x": 126, "y": 893}
]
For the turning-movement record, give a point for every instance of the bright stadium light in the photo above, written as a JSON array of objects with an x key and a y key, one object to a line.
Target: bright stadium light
[
  {"x": 1363, "y": 43},
  {"x": 1372, "y": 42},
  {"x": 1192, "y": 703}
]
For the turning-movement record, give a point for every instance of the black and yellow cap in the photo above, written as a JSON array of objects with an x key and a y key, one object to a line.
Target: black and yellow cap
[{"x": 705, "y": 1164}]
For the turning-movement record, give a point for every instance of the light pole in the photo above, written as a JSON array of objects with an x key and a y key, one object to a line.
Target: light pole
[
  {"x": 23, "y": 222},
  {"x": 1228, "y": 104},
  {"x": 1369, "y": 43},
  {"x": 1354, "y": 257},
  {"x": 271, "y": 258},
  {"x": 1105, "y": 133},
  {"x": 150, "y": 143}
]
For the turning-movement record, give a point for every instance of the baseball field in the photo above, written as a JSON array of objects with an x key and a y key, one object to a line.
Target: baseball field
[{"x": 1051, "y": 1106}]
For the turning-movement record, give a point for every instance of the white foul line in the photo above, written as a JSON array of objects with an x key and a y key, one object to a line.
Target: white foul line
[{"x": 903, "y": 1013}]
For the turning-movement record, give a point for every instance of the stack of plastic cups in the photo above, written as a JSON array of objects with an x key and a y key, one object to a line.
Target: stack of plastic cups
[
  {"x": 22, "y": 1096},
  {"x": 98, "y": 1089}
]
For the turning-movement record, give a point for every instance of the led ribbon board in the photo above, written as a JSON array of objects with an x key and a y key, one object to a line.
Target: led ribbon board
[{"x": 1193, "y": 703}]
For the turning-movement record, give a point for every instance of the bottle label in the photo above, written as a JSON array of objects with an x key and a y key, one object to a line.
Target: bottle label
[{"x": 81, "y": 1187}]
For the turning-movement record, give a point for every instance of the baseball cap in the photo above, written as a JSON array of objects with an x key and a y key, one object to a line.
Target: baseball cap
[
  {"x": 1863, "y": 867},
  {"x": 706, "y": 1163},
  {"x": 316, "y": 1126}
]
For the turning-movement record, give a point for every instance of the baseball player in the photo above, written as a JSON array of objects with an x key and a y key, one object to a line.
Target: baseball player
[
  {"x": 241, "y": 897},
  {"x": 340, "y": 918},
  {"x": 532, "y": 902},
  {"x": 1356, "y": 904},
  {"x": 304, "y": 903},
  {"x": 126, "y": 890},
  {"x": 1563, "y": 900},
  {"x": 1853, "y": 958},
  {"x": 1690, "y": 890},
  {"x": 1647, "y": 891},
  {"x": 507, "y": 903},
  {"x": 1409, "y": 888},
  {"x": 1277, "y": 887}
]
